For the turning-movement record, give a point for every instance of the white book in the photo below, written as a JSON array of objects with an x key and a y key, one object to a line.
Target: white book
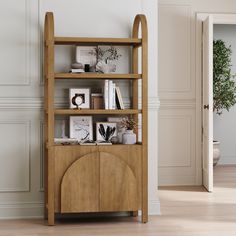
[
  {"x": 106, "y": 94},
  {"x": 110, "y": 94},
  {"x": 114, "y": 96},
  {"x": 77, "y": 70}
]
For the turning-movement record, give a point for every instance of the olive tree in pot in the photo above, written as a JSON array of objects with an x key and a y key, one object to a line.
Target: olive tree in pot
[{"x": 224, "y": 85}]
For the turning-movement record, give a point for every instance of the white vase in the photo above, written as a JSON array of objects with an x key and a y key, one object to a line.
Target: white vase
[
  {"x": 129, "y": 137},
  {"x": 216, "y": 152}
]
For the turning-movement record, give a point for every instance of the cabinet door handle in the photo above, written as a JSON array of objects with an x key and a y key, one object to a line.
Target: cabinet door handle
[{"x": 206, "y": 107}]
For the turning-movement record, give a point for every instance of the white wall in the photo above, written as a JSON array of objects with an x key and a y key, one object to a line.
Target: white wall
[
  {"x": 180, "y": 88},
  {"x": 224, "y": 125},
  {"x": 21, "y": 88}
]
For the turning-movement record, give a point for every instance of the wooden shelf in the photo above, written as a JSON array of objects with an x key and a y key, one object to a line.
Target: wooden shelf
[
  {"x": 97, "y": 41},
  {"x": 81, "y": 146},
  {"x": 96, "y": 112},
  {"x": 96, "y": 76}
]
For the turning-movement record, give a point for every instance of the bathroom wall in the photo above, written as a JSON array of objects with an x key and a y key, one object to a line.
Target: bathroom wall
[{"x": 225, "y": 124}]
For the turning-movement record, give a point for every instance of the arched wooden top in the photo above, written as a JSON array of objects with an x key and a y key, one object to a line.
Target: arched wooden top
[
  {"x": 140, "y": 19},
  {"x": 49, "y": 27}
]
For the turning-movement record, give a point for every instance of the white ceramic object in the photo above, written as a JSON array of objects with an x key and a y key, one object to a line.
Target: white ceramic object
[
  {"x": 129, "y": 137},
  {"x": 216, "y": 152},
  {"x": 105, "y": 68}
]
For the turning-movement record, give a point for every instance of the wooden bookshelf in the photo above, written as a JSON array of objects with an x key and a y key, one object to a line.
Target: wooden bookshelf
[
  {"x": 83, "y": 179},
  {"x": 96, "y": 76}
]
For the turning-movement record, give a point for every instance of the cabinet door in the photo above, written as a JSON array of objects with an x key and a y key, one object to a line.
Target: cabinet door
[
  {"x": 80, "y": 185},
  {"x": 118, "y": 184}
]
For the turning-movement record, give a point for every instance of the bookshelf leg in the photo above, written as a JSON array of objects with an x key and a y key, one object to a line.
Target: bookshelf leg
[{"x": 144, "y": 216}]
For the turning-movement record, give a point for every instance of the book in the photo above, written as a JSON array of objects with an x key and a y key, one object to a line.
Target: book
[
  {"x": 76, "y": 70},
  {"x": 110, "y": 94},
  {"x": 103, "y": 143},
  {"x": 119, "y": 100},
  {"x": 65, "y": 140},
  {"x": 106, "y": 94},
  {"x": 114, "y": 96}
]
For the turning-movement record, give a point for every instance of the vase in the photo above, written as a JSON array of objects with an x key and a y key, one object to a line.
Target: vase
[
  {"x": 129, "y": 137},
  {"x": 105, "y": 67},
  {"x": 216, "y": 152}
]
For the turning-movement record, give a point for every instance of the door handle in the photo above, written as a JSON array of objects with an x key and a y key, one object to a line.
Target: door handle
[{"x": 206, "y": 107}]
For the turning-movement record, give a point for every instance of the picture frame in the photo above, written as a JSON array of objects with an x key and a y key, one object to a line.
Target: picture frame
[
  {"x": 81, "y": 128},
  {"x": 105, "y": 131},
  {"x": 87, "y": 55},
  {"x": 79, "y": 98},
  {"x": 120, "y": 128}
]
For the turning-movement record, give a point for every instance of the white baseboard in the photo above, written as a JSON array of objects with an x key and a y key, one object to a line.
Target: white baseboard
[
  {"x": 154, "y": 207},
  {"x": 34, "y": 210},
  {"x": 18, "y": 210}
]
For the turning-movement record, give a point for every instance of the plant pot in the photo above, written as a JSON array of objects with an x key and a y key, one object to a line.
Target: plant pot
[
  {"x": 129, "y": 137},
  {"x": 216, "y": 152}
]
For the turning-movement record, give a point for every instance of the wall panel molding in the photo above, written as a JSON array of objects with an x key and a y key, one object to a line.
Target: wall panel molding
[
  {"x": 175, "y": 51},
  {"x": 25, "y": 173},
  {"x": 27, "y": 52}
]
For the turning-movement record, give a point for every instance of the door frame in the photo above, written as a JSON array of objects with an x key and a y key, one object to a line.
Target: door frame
[{"x": 218, "y": 18}]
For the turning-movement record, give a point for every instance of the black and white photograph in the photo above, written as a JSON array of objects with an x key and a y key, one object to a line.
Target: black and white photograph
[
  {"x": 79, "y": 98},
  {"x": 81, "y": 128},
  {"x": 87, "y": 56},
  {"x": 105, "y": 131}
]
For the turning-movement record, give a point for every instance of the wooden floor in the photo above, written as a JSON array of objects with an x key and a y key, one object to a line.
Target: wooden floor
[{"x": 186, "y": 211}]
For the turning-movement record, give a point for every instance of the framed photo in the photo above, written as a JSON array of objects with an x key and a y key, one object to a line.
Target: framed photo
[
  {"x": 86, "y": 55},
  {"x": 81, "y": 128},
  {"x": 79, "y": 98},
  {"x": 120, "y": 129},
  {"x": 105, "y": 131}
]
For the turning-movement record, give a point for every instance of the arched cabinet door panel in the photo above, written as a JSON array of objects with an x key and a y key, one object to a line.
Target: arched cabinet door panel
[
  {"x": 118, "y": 184},
  {"x": 80, "y": 185}
]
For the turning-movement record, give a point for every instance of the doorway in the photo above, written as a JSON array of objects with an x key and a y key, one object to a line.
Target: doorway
[{"x": 213, "y": 26}]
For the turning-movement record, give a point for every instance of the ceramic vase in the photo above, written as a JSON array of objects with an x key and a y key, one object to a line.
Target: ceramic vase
[{"x": 129, "y": 137}]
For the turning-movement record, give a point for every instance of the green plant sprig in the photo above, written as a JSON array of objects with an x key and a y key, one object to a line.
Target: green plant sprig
[{"x": 224, "y": 85}]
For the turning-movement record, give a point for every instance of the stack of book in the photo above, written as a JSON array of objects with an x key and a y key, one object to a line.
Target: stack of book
[{"x": 112, "y": 96}]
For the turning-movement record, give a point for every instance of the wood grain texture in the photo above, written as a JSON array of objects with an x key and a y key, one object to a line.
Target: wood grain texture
[
  {"x": 140, "y": 20},
  {"x": 95, "y": 112},
  {"x": 66, "y": 156},
  {"x": 96, "y": 41},
  {"x": 118, "y": 185},
  {"x": 80, "y": 185},
  {"x": 49, "y": 115},
  {"x": 97, "y": 76}
]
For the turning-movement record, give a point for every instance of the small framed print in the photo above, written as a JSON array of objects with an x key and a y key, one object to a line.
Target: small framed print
[
  {"x": 87, "y": 56},
  {"x": 106, "y": 130},
  {"x": 79, "y": 98},
  {"x": 81, "y": 128}
]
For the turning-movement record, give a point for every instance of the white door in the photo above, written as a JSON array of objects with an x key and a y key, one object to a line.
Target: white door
[{"x": 208, "y": 104}]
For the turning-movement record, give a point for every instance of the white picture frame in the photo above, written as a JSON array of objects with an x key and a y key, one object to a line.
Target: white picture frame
[
  {"x": 86, "y": 55},
  {"x": 100, "y": 136},
  {"x": 83, "y": 98},
  {"x": 81, "y": 128}
]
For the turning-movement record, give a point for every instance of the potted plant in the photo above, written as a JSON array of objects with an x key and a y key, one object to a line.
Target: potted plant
[
  {"x": 129, "y": 137},
  {"x": 224, "y": 85},
  {"x": 106, "y": 58}
]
